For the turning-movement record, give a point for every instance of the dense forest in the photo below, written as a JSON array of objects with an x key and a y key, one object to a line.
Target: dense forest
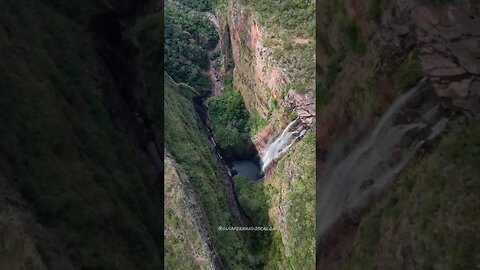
[{"x": 189, "y": 35}]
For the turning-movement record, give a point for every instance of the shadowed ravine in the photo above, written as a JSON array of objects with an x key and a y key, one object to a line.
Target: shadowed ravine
[{"x": 224, "y": 170}]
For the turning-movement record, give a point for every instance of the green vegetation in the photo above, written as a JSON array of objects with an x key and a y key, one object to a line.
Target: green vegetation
[
  {"x": 349, "y": 43},
  {"x": 301, "y": 202},
  {"x": 82, "y": 178},
  {"x": 200, "y": 5},
  {"x": 256, "y": 123},
  {"x": 374, "y": 9},
  {"x": 408, "y": 74},
  {"x": 189, "y": 148},
  {"x": 350, "y": 36},
  {"x": 433, "y": 211},
  {"x": 182, "y": 241},
  {"x": 297, "y": 17},
  {"x": 188, "y": 37},
  {"x": 206, "y": 5},
  {"x": 229, "y": 120},
  {"x": 254, "y": 200},
  {"x": 334, "y": 67},
  {"x": 291, "y": 36},
  {"x": 295, "y": 173}
]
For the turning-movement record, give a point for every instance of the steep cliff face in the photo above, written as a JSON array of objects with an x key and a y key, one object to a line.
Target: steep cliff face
[
  {"x": 370, "y": 53},
  {"x": 256, "y": 75},
  {"x": 265, "y": 74},
  {"x": 274, "y": 73},
  {"x": 188, "y": 238},
  {"x": 291, "y": 201},
  {"x": 203, "y": 183},
  {"x": 26, "y": 244}
]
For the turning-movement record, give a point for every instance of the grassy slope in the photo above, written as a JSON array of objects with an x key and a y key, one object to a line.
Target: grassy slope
[
  {"x": 189, "y": 148},
  {"x": 296, "y": 173},
  {"x": 184, "y": 247},
  {"x": 432, "y": 212},
  {"x": 284, "y": 23},
  {"x": 292, "y": 184},
  {"x": 79, "y": 175}
]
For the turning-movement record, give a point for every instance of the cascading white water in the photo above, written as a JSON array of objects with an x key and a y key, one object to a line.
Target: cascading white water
[
  {"x": 280, "y": 145},
  {"x": 346, "y": 184}
]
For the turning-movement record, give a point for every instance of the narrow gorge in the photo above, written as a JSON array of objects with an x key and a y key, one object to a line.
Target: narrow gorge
[{"x": 240, "y": 121}]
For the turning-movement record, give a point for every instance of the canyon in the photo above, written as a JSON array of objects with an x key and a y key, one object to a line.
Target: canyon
[{"x": 260, "y": 183}]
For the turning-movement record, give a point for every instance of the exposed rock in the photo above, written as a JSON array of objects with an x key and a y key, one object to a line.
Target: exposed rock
[
  {"x": 180, "y": 198},
  {"x": 448, "y": 38},
  {"x": 303, "y": 104},
  {"x": 25, "y": 244},
  {"x": 261, "y": 139},
  {"x": 445, "y": 38},
  {"x": 257, "y": 75}
]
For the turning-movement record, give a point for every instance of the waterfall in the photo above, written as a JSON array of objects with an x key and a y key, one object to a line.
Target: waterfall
[
  {"x": 347, "y": 183},
  {"x": 280, "y": 145}
]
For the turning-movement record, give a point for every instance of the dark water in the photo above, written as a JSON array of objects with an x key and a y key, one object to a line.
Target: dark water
[{"x": 248, "y": 168}]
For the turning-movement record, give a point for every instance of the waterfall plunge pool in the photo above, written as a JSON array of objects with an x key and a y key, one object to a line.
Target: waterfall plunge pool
[
  {"x": 249, "y": 169},
  {"x": 275, "y": 149}
]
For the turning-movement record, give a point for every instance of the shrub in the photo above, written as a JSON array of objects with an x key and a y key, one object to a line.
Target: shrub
[
  {"x": 350, "y": 35},
  {"x": 408, "y": 74},
  {"x": 374, "y": 9},
  {"x": 188, "y": 37},
  {"x": 230, "y": 121}
]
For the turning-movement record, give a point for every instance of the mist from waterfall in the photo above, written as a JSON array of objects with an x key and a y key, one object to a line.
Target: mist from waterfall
[
  {"x": 348, "y": 182},
  {"x": 276, "y": 147}
]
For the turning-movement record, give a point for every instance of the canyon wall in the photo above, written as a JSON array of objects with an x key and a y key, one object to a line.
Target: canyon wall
[
  {"x": 188, "y": 224},
  {"x": 261, "y": 73},
  {"x": 275, "y": 88},
  {"x": 369, "y": 53}
]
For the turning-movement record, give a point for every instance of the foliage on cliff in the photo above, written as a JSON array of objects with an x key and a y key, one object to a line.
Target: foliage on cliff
[
  {"x": 433, "y": 211},
  {"x": 254, "y": 200},
  {"x": 190, "y": 149},
  {"x": 290, "y": 187},
  {"x": 290, "y": 34},
  {"x": 229, "y": 120},
  {"x": 188, "y": 37},
  {"x": 339, "y": 37},
  {"x": 184, "y": 244},
  {"x": 80, "y": 177}
]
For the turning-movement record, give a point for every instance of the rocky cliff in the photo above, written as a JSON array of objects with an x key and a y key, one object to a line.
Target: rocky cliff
[
  {"x": 369, "y": 53},
  {"x": 273, "y": 70},
  {"x": 189, "y": 239},
  {"x": 263, "y": 73},
  {"x": 440, "y": 37}
]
